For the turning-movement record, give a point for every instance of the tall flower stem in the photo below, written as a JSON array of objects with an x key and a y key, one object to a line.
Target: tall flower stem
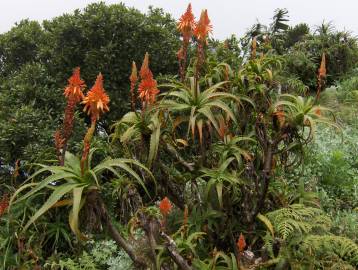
[
  {"x": 322, "y": 73},
  {"x": 87, "y": 146},
  {"x": 199, "y": 62},
  {"x": 74, "y": 95},
  {"x": 186, "y": 27},
  {"x": 133, "y": 79},
  {"x": 67, "y": 126},
  {"x": 201, "y": 31}
]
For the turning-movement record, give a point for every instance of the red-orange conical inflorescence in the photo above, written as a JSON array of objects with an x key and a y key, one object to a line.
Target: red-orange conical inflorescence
[
  {"x": 322, "y": 69},
  {"x": 147, "y": 88},
  {"x": 165, "y": 206},
  {"x": 73, "y": 93},
  {"x": 4, "y": 204},
  {"x": 186, "y": 24},
  {"x": 134, "y": 75},
  {"x": 241, "y": 243},
  {"x": 322, "y": 72},
  {"x": 203, "y": 27},
  {"x": 96, "y": 103},
  {"x": 96, "y": 100},
  {"x": 144, "y": 69},
  {"x": 133, "y": 79},
  {"x": 75, "y": 86}
]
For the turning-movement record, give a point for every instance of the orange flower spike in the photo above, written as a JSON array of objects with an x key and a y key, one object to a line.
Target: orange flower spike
[
  {"x": 144, "y": 70},
  {"x": 75, "y": 86},
  {"x": 241, "y": 243},
  {"x": 203, "y": 27},
  {"x": 148, "y": 90},
  {"x": 186, "y": 24},
  {"x": 148, "y": 86},
  {"x": 134, "y": 75},
  {"x": 96, "y": 101},
  {"x": 322, "y": 70},
  {"x": 165, "y": 206},
  {"x": 133, "y": 79}
]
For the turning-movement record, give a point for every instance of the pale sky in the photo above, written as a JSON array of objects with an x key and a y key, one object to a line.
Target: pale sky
[{"x": 227, "y": 16}]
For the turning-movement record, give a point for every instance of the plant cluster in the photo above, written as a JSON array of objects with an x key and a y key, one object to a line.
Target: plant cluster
[{"x": 208, "y": 170}]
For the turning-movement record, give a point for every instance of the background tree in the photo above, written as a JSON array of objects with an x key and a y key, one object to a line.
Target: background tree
[{"x": 37, "y": 59}]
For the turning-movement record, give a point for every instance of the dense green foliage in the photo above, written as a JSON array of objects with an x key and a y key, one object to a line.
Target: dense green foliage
[
  {"x": 37, "y": 59},
  {"x": 236, "y": 165}
]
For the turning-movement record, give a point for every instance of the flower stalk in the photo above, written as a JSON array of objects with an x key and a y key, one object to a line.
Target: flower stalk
[
  {"x": 74, "y": 95},
  {"x": 133, "y": 79},
  {"x": 96, "y": 103},
  {"x": 186, "y": 27},
  {"x": 147, "y": 88},
  {"x": 321, "y": 77},
  {"x": 202, "y": 29}
]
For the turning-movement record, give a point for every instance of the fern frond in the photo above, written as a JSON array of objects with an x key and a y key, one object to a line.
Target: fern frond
[
  {"x": 324, "y": 248},
  {"x": 298, "y": 218}
]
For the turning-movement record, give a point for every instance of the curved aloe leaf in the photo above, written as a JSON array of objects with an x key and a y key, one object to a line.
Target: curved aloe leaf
[{"x": 54, "y": 197}]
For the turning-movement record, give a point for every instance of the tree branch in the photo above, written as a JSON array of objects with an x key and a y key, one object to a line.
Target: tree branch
[
  {"x": 174, "y": 254},
  {"x": 96, "y": 200}
]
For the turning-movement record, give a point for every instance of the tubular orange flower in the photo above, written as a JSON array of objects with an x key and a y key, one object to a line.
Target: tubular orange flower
[
  {"x": 241, "y": 243},
  {"x": 148, "y": 86},
  {"x": 186, "y": 24},
  {"x": 165, "y": 206},
  {"x": 203, "y": 27},
  {"x": 148, "y": 90},
  {"x": 96, "y": 101},
  {"x": 75, "y": 86},
  {"x": 133, "y": 79}
]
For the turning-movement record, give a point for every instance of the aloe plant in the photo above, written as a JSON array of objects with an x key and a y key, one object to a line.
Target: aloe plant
[
  {"x": 196, "y": 107},
  {"x": 68, "y": 181}
]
